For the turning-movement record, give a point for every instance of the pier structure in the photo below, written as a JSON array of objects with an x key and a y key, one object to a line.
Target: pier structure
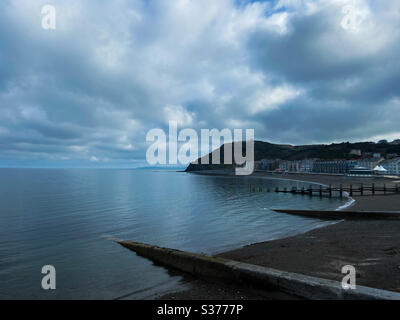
[{"x": 330, "y": 190}]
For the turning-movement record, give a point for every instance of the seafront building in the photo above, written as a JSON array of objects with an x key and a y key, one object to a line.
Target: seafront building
[
  {"x": 269, "y": 164},
  {"x": 370, "y": 163},
  {"x": 360, "y": 172},
  {"x": 306, "y": 165},
  {"x": 333, "y": 166},
  {"x": 365, "y": 166},
  {"x": 392, "y": 166}
]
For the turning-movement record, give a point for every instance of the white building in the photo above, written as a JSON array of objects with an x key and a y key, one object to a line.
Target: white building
[
  {"x": 370, "y": 163},
  {"x": 392, "y": 166},
  {"x": 380, "y": 170},
  {"x": 356, "y": 152}
]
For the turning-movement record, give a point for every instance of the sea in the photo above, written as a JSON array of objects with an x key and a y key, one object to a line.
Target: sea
[{"x": 72, "y": 218}]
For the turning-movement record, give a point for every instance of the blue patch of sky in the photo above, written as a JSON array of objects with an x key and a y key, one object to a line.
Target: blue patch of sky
[{"x": 271, "y": 5}]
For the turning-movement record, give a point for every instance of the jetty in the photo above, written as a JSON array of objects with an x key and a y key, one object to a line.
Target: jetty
[{"x": 331, "y": 191}]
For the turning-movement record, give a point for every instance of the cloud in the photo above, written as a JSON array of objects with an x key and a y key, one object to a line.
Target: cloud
[
  {"x": 271, "y": 99},
  {"x": 113, "y": 70},
  {"x": 178, "y": 114}
]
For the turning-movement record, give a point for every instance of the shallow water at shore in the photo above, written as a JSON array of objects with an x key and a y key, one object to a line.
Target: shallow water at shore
[{"x": 69, "y": 219}]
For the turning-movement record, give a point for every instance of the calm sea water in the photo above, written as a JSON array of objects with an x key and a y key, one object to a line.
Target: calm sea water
[{"x": 69, "y": 219}]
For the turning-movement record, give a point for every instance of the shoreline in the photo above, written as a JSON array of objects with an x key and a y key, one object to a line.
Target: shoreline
[
  {"x": 319, "y": 179},
  {"x": 373, "y": 247}
]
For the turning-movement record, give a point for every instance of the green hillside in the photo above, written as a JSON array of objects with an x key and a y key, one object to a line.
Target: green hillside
[{"x": 265, "y": 150}]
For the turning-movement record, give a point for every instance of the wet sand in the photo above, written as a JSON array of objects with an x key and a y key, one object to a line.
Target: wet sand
[{"x": 372, "y": 247}]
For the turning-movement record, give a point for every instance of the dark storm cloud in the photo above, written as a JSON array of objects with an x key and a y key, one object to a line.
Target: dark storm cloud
[
  {"x": 89, "y": 91},
  {"x": 350, "y": 78},
  {"x": 300, "y": 57}
]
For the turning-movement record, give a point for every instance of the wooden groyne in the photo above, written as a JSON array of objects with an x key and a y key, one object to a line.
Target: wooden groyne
[
  {"x": 335, "y": 190},
  {"x": 255, "y": 276}
]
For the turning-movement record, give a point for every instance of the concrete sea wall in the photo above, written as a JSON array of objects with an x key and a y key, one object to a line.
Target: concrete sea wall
[{"x": 255, "y": 276}]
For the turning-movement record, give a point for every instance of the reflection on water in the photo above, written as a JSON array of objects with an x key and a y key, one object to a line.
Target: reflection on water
[{"x": 69, "y": 219}]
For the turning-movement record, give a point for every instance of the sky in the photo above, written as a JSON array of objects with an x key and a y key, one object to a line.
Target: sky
[{"x": 86, "y": 93}]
